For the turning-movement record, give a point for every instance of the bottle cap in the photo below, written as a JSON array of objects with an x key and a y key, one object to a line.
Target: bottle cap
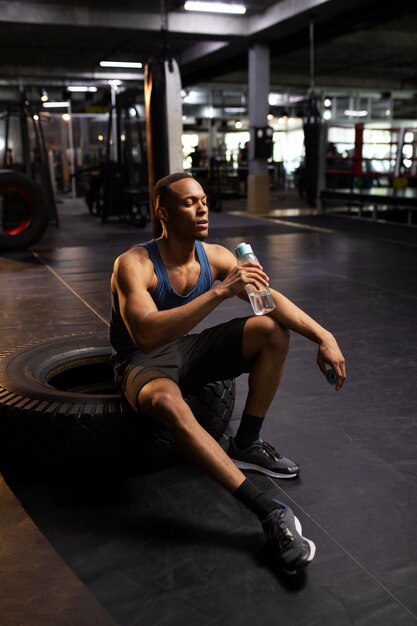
[
  {"x": 243, "y": 248},
  {"x": 331, "y": 377}
]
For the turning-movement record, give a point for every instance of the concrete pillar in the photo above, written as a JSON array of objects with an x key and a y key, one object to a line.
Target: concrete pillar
[{"x": 258, "y": 179}]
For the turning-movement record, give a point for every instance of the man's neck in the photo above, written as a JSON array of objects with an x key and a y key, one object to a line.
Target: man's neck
[{"x": 174, "y": 252}]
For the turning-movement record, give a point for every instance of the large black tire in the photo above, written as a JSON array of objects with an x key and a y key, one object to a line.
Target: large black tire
[
  {"x": 23, "y": 211},
  {"x": 60, "y": 411}
]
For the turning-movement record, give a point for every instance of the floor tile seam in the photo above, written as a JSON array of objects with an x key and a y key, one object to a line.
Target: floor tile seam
[
  {"x": 70, "y": 289},
  {"x": 346, "y": 551},
  {"x": 357, "y": 282},
  {"x": 355, "y": 235},
  {"x": 277, "y": 221},
  {"x": 300, "y": 264},
  {"x": 401, "y": 243},
  {"x": 327, "y": 272},
  {"x": 371, "y": 286},
  {"x": 322, "y": 229},
  {"x": 340, "y": 216}
]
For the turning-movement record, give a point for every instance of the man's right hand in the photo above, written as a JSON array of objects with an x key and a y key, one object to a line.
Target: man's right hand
[{"x": 240, "y": 276}]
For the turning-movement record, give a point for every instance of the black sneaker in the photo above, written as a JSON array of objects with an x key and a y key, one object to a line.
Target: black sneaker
[
  {"x": 262, "y": 457},
  {"x": 284, "y": 530}
]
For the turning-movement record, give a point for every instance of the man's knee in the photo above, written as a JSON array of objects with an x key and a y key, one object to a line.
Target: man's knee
[
  {"x": 269, "y": 333},
  {"x": 281, "y": 336},
  {"x": 162, "y": 399},
  {"x": 158, "y": 396}
]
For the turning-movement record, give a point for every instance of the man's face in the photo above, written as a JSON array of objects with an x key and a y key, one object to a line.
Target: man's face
[{"x": 188, "y": 211}]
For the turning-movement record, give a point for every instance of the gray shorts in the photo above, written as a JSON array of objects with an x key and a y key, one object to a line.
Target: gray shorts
[{"x": 192, "y": 361}]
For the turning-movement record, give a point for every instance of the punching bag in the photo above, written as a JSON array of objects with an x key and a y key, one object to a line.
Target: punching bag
[
  {"x": 312, "y": 138},
  {"x": 163, "y": 122}
]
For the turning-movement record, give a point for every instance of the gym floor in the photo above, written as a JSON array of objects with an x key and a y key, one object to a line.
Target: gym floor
[{"x": 172, "y": 548}]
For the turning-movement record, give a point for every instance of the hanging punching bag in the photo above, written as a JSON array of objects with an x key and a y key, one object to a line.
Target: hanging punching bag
[
  {"x": 312, "y": 134},
  {"x": 163, "y": 121}
]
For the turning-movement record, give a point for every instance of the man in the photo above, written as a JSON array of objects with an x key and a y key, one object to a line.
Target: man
[{"x": 161, "y": 290}]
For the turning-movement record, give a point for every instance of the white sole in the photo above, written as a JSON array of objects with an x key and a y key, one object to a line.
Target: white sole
[
  {"x": 311, "y": 544},
  {"x": 262, "y": 470}
]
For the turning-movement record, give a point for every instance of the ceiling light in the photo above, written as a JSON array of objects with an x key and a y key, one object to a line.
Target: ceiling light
[
  {"x": 81, "y": 88},
  {"x": 235, "y": 109},
  {"x": 66, "y": 117},
  {"x": 353, "y": 113},
  {"x": 327, "y": 102},
  {"x": 327, "y": 115},
  {"x": 36, "y": 117},
  {"x": 120, "y": 75},
  {"x": 126, "y": 64},
  {"x": 214, "y": 7},
  {"x": 238, "y": 124},
  {"x": 115, "y": 82},
  {"x": 55, "y": 105},
  {"x": 274, "y": 99},
  {"x": 44, "y": 95}
]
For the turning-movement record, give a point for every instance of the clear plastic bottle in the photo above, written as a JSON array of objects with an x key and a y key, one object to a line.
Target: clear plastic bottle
[{"x": 262, "y": 301}]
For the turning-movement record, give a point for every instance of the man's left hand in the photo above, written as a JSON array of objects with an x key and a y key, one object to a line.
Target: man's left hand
[{"x": 329, "y": 353}]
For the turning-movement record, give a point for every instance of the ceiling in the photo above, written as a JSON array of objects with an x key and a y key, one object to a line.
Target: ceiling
[{"x": 366, "y": 46}]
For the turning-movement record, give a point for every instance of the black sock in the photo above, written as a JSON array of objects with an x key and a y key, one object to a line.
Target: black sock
[
  {"x": 248, "y": 431},
  {"x": 255, "y": 500}
]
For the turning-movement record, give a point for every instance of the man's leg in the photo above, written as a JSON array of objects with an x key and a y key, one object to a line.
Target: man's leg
[
  {"x": 162, "y": 399},
  {"x": 265, "y": 347}
]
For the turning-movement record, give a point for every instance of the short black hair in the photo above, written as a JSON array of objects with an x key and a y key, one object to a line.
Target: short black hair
[
  {"x": 162, "y": 188},
  {"x": 161, "y": 193}
]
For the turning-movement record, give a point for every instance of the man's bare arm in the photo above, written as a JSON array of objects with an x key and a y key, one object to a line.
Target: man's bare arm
[{"x": 292, "y": 317}]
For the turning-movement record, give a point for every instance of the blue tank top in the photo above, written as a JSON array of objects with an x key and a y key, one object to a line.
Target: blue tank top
[{"x": 164, "y": 296}]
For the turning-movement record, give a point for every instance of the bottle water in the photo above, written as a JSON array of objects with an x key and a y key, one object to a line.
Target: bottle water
[{"x": 262, "y": 301}]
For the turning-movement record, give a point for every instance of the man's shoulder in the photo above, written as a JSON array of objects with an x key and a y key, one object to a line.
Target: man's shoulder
[
  {"x": 132, "y": 261},
  {"x": 219, "y": 257},
  {"x": 136, "y": 253},
  {"x": 216, "y": 250}
]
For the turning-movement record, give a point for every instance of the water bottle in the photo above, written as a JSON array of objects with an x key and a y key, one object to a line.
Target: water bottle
[{"x": 262, "y": 301}]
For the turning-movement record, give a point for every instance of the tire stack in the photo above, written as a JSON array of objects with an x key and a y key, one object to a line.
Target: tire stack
[{"x": 60, "y": 412}]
